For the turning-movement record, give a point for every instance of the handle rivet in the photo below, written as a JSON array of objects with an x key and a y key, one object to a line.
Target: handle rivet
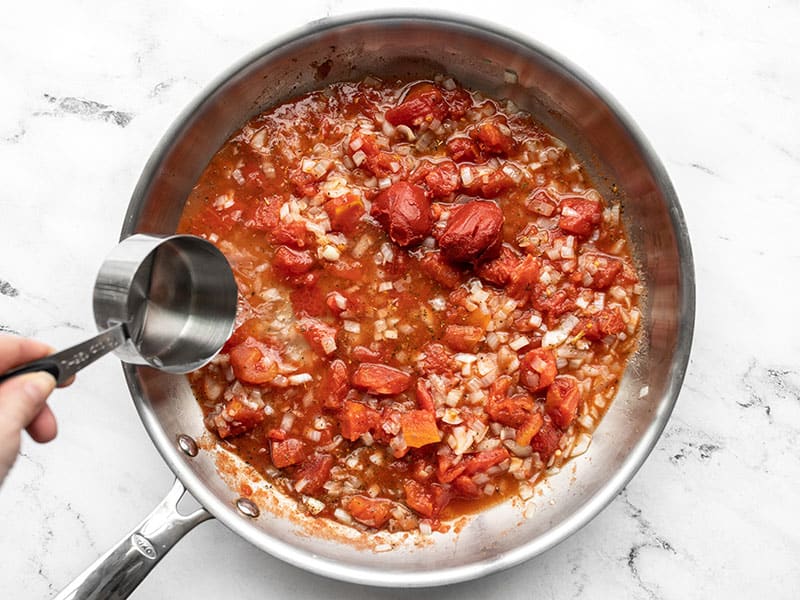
[
  {"x": 247, "y": 507},
  {"x": 187, "y": 445}
]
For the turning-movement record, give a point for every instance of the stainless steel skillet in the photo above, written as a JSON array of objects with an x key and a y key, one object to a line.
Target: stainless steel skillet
[{"x": 577, "y": 110}]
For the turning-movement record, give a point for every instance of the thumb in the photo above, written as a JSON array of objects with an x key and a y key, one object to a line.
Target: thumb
[{"x": 22, "y": 398}]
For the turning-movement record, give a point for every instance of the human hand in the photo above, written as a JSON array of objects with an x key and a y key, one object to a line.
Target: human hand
[{"x": 23, "y": 399}]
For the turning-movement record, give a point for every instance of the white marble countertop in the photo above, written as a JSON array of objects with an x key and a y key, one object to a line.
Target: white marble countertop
[{"x": 88, "y": 89}]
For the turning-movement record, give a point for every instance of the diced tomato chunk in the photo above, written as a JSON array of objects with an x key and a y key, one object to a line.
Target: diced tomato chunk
[
  {"x": 528, "y": 429},
  {"x": 290, "y": 262},
  {"x": 419, "y": 428},
  {"x": 305, "y": 184},
  {"x": 524, "y": 277},
  {"x": 524, "y": 324},
  {"x": 546, "y": 440},
  {"x": 512, "y": 412},
  {"x": 537, "y": 369},
  {"x": 498, "y": 271},
  {"x": 448, "y": 468},
  {"x": 384, "y": 164},
  {"x": 607, "y": 322},
  {"x": 489, "y": 185},
  {"x": 254, "y": 362},
  {"x": 482, "y": 461},
  {"x": 580, "y": 215},
  {"x": 292, "y": 234},
  {"x": 442, "y": 272},
  {"x": 266, "y": 214},
  {"x": 437, "y": 359},
  {"x": 364, "y": 142},
  {"x": 424, "y": 102},
  {"x": 500, "y": 387},
  {"x": 382, "y": 379},
  {"x": 345, "y": 212},
  {"x": 494, "y": 137},
  {"x": 466, "y": 487},
  {"x": 443, "y": 180},
  {"x": 459, "y": 101},
  {"x": 356, "y": 419},
  {"x": 411, "y": 113},
  {"x": 320, "y": 336},
  {"x": 313, "y": 473},
  {"x": 462, "y": 338},
  {"x": 602, "y": 269},
  {"x": 555, "y": 304},
  {"x": 287, "y": 452},
  {"x": 333, "y": 388},
  {"x": 276, "y": 434},
  {"x": 424, "y": 398},
  {"x": 364, "y": 354},
  {"x": 373, "y": 512},
  {"x": 235, "y": 418},
  {"x": 462, "y": 149},
  {"x": 429, "y": 501},
  {"x": 418, "y": 498},
  {"x": 562, "y": 401}
]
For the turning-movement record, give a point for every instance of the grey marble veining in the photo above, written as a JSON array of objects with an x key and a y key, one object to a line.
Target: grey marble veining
[{"x": 89, "y": 88}]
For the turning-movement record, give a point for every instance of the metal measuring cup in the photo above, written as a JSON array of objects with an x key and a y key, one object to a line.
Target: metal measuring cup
[{"x": 168, "y": 302}]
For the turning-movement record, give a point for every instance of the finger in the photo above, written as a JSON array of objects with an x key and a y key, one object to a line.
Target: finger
[
  {"x": 67, "y": 383},
  {"x": 16, "y": 350},
  {"x": 43, "y": 428},
  {"x": 21, "y": 399},
  {"x": 9, "y": 447}
]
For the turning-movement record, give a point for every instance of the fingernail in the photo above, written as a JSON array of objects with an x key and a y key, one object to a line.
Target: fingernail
[{"x": 38, "y": 385}]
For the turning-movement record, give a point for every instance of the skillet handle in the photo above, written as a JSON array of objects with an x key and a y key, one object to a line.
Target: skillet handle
[{"x": 117, "y": 573}]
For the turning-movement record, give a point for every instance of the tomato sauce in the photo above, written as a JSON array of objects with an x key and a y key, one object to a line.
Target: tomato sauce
[{"x": 435, "y": 304}]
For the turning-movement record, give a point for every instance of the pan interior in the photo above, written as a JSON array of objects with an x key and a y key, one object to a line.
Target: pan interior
[{"x": 621, "y": 165}]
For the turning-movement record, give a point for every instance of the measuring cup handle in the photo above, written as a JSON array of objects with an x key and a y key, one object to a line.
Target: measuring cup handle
[{"x": 63, "y": 365}]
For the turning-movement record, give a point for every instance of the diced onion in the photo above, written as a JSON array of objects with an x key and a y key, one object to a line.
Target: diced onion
[
  {"x": 351, "y": 326},
  {"x": 581, "y": 444},
  {"x": 299, "y": 378},
  {"x": 342, "y": 516},
  {"x": 467, "y": 176},
  {"x": 359, "y": 157},
  {"x": 519, "y": 342},
  {"x": 512, "y": 172},
  {"x": 328, "y": 344},
  {"x": 569, "y": 212},
  {"x": 287, "y": 421},
  {"x": 330, "y": 253}
]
